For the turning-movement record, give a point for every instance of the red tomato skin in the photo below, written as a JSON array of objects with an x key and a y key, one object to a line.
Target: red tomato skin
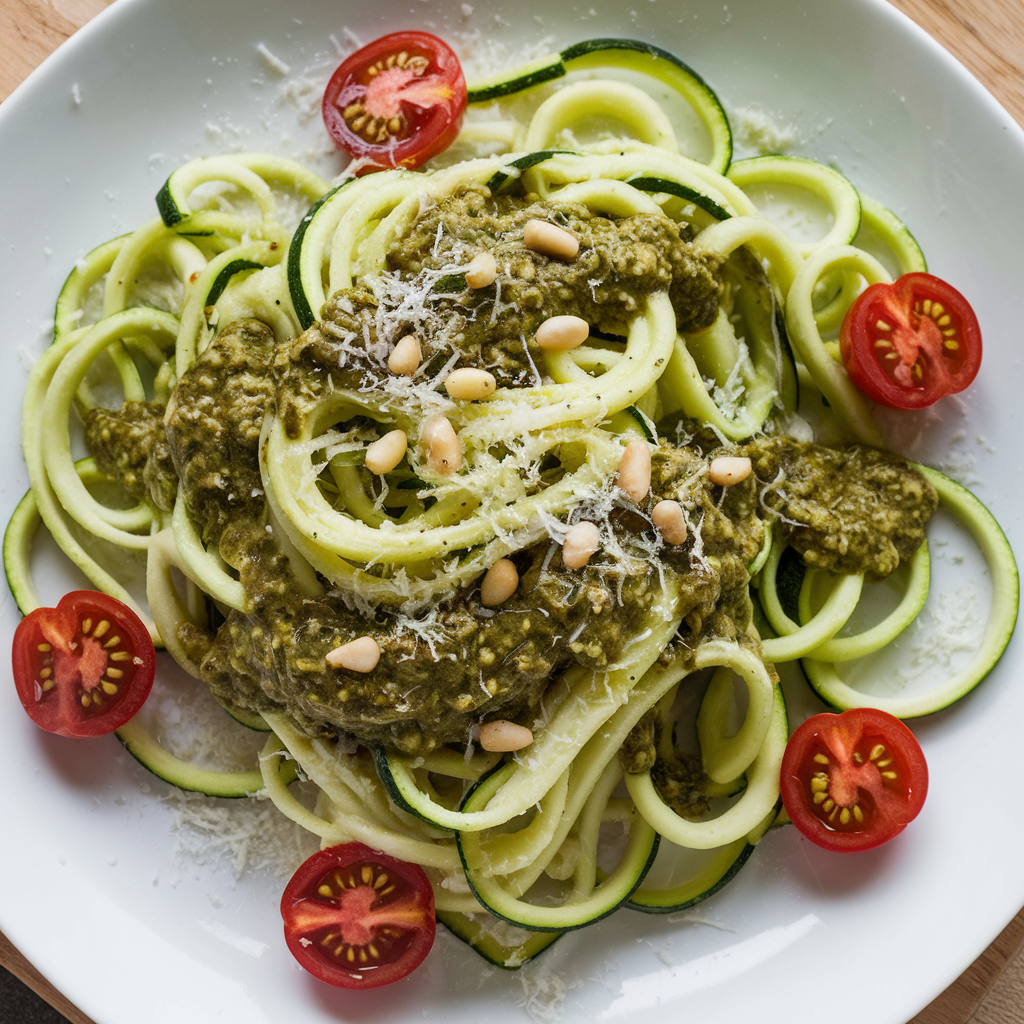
[
  {"x": 944, "y": 371},
  {"x": 358, "y": 916},
  {"x": 889, "y": 805},
  {"x": 430, "y": 127},
  {"x": 78, "y": 663}
]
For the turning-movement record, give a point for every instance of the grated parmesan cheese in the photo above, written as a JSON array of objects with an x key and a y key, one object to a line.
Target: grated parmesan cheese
[{"x": 759, "y": 133}]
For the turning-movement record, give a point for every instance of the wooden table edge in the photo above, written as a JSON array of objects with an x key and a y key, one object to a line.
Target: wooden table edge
[{"x": 980, "y": 42}]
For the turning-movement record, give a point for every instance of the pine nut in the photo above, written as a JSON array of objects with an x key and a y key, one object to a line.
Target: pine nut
[
  {"x": 441, "y": 445},
  {"x": 406, "y": 356},
  {"x": 483, "y": 270},
  {"x": 559, "y": 333},
  {"x": 386, "y": 452},
  {"x": 727, "y": 470},
  {"x": 543, "y": 236},
  {"x": 634, "y": 478},
  {"x": 668, "y": 517},
  {"x": 470, "y": 384},
  {"x": 499, "y": 583},
  {"x": 580, "y": 543},
  {"x": 501, "y": 736},
  {"x": 359, "y": 655}
]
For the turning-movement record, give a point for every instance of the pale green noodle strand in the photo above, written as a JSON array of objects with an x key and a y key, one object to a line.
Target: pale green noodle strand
[
  {"x": 577, "y": 103},
  {"x": 830, "y": 377}
]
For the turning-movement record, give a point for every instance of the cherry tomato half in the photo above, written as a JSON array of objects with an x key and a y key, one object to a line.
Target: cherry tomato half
[
  {"x": 853, "y": 781},
  {"x": 357, "y": 918},
  {"x": 85, "y": 667},
  {"x": 910, "y": 343},
  {"x": 396, "y": 102}
]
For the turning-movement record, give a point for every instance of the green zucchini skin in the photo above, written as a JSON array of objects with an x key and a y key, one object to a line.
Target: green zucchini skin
[
  {"x": 500, "y": 179},
  {"x": 167, "y": 206},
  {"x": 508, "y": 958},
  {"x": 223, "y": 279},
  {"x": 17, "y": 547},
  {"x": 669, "y": 901},
  {"x": 630, "y": 53},
  {"x": 570, "y": 921},
  {"x": 140, "y": 742},
  {"x": 395, "y": 791},
  {"x": 680, "y": 191},
  {"x": 519, "y": 82},
  {"x": 293, "y": 266},
  {"x": 641, "y": 849}
]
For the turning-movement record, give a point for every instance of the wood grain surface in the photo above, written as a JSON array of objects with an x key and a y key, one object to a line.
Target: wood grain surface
[{"x": 985, "y": 35}]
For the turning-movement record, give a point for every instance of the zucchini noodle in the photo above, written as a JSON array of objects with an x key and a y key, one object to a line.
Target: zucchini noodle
[{"x": 255, "y": 236}]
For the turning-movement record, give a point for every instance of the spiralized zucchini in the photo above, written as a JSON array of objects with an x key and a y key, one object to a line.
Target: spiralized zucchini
[{"x": 525, "y": 840}]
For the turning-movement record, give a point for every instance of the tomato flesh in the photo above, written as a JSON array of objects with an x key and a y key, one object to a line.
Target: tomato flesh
[
  {"x": 357, "y": 918},
  {"x": 908, "y": 344},
  {"x": 853, "y": 781},
  {"x": 85, "y": 667},
  {"x": 396, "y": 102}
]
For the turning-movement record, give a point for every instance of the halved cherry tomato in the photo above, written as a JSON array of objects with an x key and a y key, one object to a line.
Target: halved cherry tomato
[
  {"x": 357, "y": 918},
  {"x": 396, "y": 102},
  {"x": 910, "y": 343},
  {"x": 85, "y": 667},
  {"x": 853, "y": 781}
]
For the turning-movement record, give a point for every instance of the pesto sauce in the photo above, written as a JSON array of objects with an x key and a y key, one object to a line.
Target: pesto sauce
[
  {"x": 852, "y": 509},
  {"x": 470, "y": 663}
]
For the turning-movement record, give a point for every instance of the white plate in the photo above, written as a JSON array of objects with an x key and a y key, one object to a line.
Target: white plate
[{"x": 89, "y": 886}]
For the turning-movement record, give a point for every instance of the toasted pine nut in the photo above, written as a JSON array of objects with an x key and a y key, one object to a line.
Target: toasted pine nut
[
  {"x": 634, "y": 479},
  {"x": 559, "y": 333},
  {"x": 668, "y": 517},
  {"x": 386, "y": 452},
  {"x": 406, "y": 356},
  {"x": 543, "y": 236},
  {"x": 469, "y": 383},
  {"x": 441, "y": 445},
  {"x": 501, "y": 735},
  {"x": 499, "y": 583},
  {"x": 483, "y": 269},
  {"x": 728, "y": 470},
  {"x": 359, "y": 655},
  {"x": 580, "y": 543}
]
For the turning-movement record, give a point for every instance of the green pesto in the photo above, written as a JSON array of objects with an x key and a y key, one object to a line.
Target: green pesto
[
  {"x": 849, "y": 510},
  {"x": 619, "y": 262},
  {"x": 130, "y": 446},
  {"x": 473, "y": 663}
]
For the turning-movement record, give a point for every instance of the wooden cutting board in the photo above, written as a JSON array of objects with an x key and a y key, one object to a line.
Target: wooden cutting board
[{"x": 985, "y": 35}]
